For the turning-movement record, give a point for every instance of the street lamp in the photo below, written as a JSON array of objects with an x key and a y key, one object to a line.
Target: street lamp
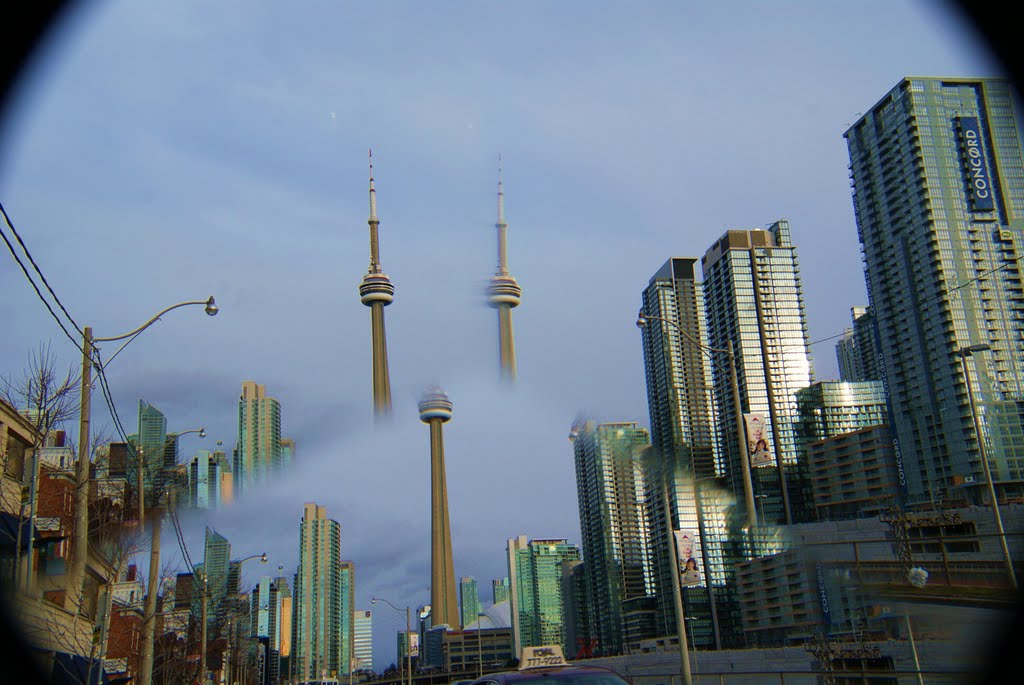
[
  {"x": 741, "y": 443},
  {"x": 479, "y": 639},
  {"x": 232, "y": 625},
  {"x": 149, "y": 615},
  {"x": 408, "y": 647},
  {"x": 81, "y": 545},
  {"x": 677, "y": 596},
  {"x": 964, "y": 353}
]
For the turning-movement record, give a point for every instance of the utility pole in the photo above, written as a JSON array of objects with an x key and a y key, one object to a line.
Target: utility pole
[{"x": 149, "y": 617}]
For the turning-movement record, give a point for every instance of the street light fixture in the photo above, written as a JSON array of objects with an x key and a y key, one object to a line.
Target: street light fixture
[
  {"x": 80, "y": 546},
  {"x": 479, "y": 638},
  {"x": 408, "y": 647},
  {"x": 741, "y": 443},
  {"x": 149, "y": 615},
  {"x": 964, "y": 353}
]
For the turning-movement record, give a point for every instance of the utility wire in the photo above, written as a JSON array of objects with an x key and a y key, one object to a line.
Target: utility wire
[
  {"x": 38, "y": 270},
  {"x": 39, "y": 293}
]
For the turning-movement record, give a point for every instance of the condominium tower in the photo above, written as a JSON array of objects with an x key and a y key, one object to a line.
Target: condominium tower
[
  {"x": 938, "y": 194},
  {"x": 258, "y": 455},
  {"x": 683, "y": 463},
  {"x": 535, "y": 578},
  {"x": 753, "y": 298},
  {"x": 317, "y": 624},
  {"x": 613, "y": 524},
  {"x": 469, "y": 600}
]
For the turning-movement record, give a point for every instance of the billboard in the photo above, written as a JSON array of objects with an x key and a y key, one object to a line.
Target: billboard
[
  {"x": 757, "y": 440},
  {"x": 979, "y": 182},
  {"x": 689, "y": 574}
]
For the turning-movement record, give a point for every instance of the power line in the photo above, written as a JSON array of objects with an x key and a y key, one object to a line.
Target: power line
[
  {"x": 39, "y": 293},
  {"x": 38, "y": 270}
]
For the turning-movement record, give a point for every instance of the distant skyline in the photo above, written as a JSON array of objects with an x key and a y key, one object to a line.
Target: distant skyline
[{"x": 172, "y": 152}]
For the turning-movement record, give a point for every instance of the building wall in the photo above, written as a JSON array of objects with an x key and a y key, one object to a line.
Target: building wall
[
  {"x": 613, "y": 523},
  {"x": 317, "y": 634},
  {"x": 259, "y": 436},
  {"x": 768, "y": 329},
  {"x": 943, "y": 273}
]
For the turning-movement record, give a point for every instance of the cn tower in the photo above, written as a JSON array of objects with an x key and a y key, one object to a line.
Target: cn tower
[
  {"x": 377, "y": 292},
  {"x": 435, "y": 411},
  {"x": 504, "y": 292}
]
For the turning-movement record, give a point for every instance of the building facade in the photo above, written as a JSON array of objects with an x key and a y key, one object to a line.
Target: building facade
[
  {"x": 499, "y": 590},
  {"x": 535, "y": 578},
  {"x": 469, "y": 600},
  {"x": 362, "y": 639},
  {"x": 317, "y": 640},
  {"x": 613, "y": 524},
  {"x": 938, "y": 193},
  {"x": 753, "y": 298},
  {"x": 258, "y": 454}
]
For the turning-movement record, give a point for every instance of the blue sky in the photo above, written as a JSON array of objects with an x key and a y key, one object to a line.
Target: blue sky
[{"x": 159, "y": 153}]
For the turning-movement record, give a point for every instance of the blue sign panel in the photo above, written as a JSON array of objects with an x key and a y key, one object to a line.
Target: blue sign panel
[
  {"x": 978, "y": 179},
  {"x": 826, "y": 614}
]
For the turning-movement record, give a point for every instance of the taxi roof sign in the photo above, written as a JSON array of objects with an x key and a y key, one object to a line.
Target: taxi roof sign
[{"x": 542, "y": 656}]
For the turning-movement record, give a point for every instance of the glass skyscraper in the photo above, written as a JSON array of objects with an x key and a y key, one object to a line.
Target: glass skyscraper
[
  {"x": 753, "y": 297},
  {"x": 613, "y": 524},
  {"x": 535, "y": 577},
  {"x": 469, "y": 600},
  {"x": 152, "y": 444},
  {"x": 318, "y": 637},
  {"x": 938, "y": 193},
  {"x": 685, "y": 455},
  {"x": 259, "y": 452}
]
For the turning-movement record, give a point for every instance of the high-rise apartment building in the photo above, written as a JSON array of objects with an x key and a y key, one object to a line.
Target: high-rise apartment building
[
  {"x": 469, "y": 600},
  {"x": 217, "y": 571},
  {"x": 348, "y": 603},
  {"x": 613, "y": 524},
  {"x": 835, "y": 420},
  {"x": 259, "y": 453},
  {"x": 938, "y": 193},
  {"x": 317, "y": 642},
  {"x": 151, "y": 444},
  {"x": 270, "y": 616},
  {"x": 206, "y": 473},
  {"x": 362, "y": 639},
  {"x": 535, "y": 579},
  {"x": 684, "y": 462},
  {"x": 499, "y": 590},
  {"x": 753, "y": 298},
  {"x": 856, "y": 350}
]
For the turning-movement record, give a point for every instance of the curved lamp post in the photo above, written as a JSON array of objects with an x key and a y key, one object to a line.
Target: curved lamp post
[
  {"x": 149, "y": 613},
  {"x": 262, "y": 556},
  {"x": 408, "y": 647},
  {"x": 741, "y": 443},
  {"x": 964, "y": 353},
  {"x": 80, "y": 547},
  {"x": 479, "y": 639}
]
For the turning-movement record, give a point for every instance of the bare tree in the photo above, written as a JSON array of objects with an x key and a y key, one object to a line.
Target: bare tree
[{"x": 47, "y": 398}]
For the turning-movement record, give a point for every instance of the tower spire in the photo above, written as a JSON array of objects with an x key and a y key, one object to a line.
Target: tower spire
[
  {"x": 374, "y": 224},
  {"x": 502, "y": 226},
  {"x": 376, "y": 292},
  {"x": 504, "y": 292}
]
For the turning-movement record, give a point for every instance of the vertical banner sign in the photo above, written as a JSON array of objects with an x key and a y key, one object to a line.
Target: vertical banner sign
[
  {"x": 414, "y": 644},
  {"x": 757, "y": 440},
  {"x": 826, "y": 614},
  {"x": 689, "y": 574},
  {"x": 979, "y": 182}
]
